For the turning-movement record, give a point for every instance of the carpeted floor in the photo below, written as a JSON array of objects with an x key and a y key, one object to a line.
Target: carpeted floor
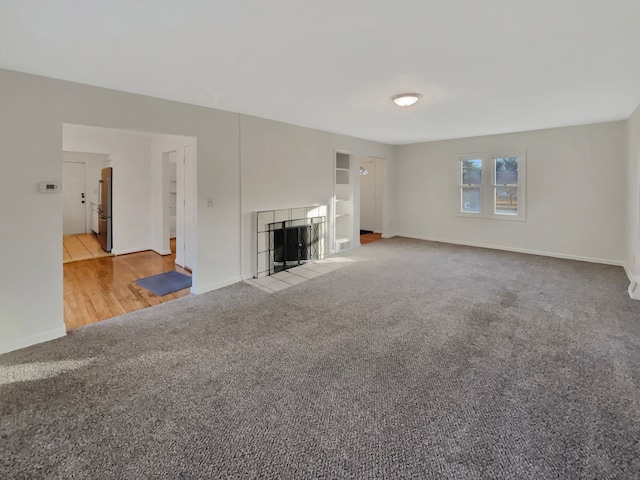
[{"x": 421, "y": 360}]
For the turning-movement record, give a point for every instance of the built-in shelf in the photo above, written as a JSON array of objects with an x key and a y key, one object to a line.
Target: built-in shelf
[
  {"x": 343, "y": 204},
  {"x": 342, "y": 177}
]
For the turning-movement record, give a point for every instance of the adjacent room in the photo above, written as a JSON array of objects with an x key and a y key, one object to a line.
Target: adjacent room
[{"x": 409, "y": 234}]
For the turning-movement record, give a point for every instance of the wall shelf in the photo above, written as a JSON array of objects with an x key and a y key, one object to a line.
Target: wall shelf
[{"x": 343, "y": 203}]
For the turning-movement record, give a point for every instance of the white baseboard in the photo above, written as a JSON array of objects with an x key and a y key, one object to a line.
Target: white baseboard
[
  {"x": 634, "y": 288},
  {"x": 216, "y": 286},
  {"x": 131, "y": 250},
  {"x": 162, "y": 252},
  {"x": 32, "y": 339},
  {"x": 627, "y": 270},
  {"x": 605, "y": 261},
  {"x": 388, "y": 235}
]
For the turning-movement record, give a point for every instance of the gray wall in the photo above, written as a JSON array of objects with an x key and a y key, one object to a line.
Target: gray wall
[
  {"x": 286, "y": 166},
  {"x": 580, "y": 204},
  {"x": 576, "y": 193},
  {"x": 32, "y": 112}
]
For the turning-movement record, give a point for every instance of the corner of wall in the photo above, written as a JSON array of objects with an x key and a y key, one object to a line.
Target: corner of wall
[{"x": 634, "y": 288}]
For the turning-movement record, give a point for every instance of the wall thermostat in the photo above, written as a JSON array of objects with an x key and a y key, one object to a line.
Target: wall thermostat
[{"x": 49, "y": 187}]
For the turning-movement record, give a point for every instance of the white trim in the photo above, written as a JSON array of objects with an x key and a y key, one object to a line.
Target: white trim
[
  {"x": 132, "y": 250},
  {"x": 162, "y": 252},
  {"x": 389, "y": 235},
  {"x": 627, "y": 270},
  {"x": 32, "y": 339},
  {"x": 521, "y": 186},
  {"x": 604, "y": 261},
  {"x": 634, "y": 288},
  {"x": 215, "y": 286},
  {"x": 634, "y": 283},
  {"x": 487, "y": 184}
]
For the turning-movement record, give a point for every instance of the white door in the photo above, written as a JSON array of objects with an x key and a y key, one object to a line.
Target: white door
[
  {"x": 74, "y": 207},
  {"x": 368, "y": 196},
  {"x": 189, "y": 208}
]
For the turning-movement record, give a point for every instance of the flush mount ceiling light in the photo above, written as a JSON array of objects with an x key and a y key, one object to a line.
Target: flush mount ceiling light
[{"x": 405, "y": 99}]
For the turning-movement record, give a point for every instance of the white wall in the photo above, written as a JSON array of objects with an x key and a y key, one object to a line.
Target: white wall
[
  {"x": 576, "y": 193},
  {"x": 32, "y": 112},
  {"x": 285, "y": 166},
  {"x": 633, "y": 131},
  {"x": 138, "y": 194},
  {"x": 131, "y": 161}
]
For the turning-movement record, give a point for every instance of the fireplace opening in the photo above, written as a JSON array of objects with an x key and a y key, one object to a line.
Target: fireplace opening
[
  {"x": 295, "y": 242},
  {"x": 291, "y": 245}
]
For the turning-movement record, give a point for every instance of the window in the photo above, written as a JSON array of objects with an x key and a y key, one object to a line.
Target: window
[{"x": 492, "y": 185}]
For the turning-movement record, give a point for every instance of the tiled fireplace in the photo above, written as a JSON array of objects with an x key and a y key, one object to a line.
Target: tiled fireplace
[{"x": 290, "y": 237}]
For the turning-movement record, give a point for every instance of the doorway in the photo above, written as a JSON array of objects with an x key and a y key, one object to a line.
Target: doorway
[
  {"x": 80, "y": 193},
  {"x": 372, "y": 188},
  {"x": 185, "y": 207},
  {"x": 142, "y": 242}
]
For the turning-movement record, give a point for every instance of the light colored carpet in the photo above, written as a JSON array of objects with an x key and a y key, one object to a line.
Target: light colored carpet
[{"x": 420, "y": 360}]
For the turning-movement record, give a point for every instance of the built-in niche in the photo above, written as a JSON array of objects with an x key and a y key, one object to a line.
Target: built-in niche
[{"x": 343, "y": 203}]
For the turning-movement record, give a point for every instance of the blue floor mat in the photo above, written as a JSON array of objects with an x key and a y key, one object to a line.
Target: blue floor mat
[{"x": 165, "y": 283}]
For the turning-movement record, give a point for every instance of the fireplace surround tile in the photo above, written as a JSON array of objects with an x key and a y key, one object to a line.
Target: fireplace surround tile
[
  {"x": 264, "y": 219},
  {"x": 298, "y": 213},
  {"x": 263, "y": 262},
  {"x": 263, "y": 241},
  {"x": 282, "y": 215}
]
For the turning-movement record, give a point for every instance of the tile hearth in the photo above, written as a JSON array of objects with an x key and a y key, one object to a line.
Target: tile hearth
[{"x": 294, "y": 276}]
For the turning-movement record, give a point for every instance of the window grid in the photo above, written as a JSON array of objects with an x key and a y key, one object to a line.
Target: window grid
[{"x": 492, "y": 185}]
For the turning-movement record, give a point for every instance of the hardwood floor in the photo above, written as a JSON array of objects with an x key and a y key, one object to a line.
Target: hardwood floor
[
  {"x": 369, "y": 237},
  {"x": 102, "y": 288},
  {"x": 81, "y": 247}
]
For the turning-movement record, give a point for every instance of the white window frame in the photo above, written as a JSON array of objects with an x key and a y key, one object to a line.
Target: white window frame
[
  {"x": 488, "y": 185},
  {"x": 462, "y": 186}
]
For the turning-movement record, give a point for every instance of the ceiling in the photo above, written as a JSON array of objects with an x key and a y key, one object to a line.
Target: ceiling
[{"x": 485, "y": 67}]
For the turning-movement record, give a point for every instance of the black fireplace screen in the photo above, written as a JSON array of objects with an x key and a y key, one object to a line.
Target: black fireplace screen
[{"x": 294, "y": 242}]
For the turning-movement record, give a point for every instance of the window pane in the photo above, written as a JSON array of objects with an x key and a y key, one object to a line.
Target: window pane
[
  {"x": 507, "y": 200},
  {"x": 506, "y": 170},
  {"x": 471, "y": 199},
  {"x": 472, "y": 172}
]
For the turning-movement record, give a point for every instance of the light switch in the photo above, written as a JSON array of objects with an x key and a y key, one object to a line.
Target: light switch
[{"x": 209, "y": 201}]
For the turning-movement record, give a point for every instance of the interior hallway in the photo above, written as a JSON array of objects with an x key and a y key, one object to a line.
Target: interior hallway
[
  {"x": 369, "y": 237},
  {"x": 103, "y": 288}
]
